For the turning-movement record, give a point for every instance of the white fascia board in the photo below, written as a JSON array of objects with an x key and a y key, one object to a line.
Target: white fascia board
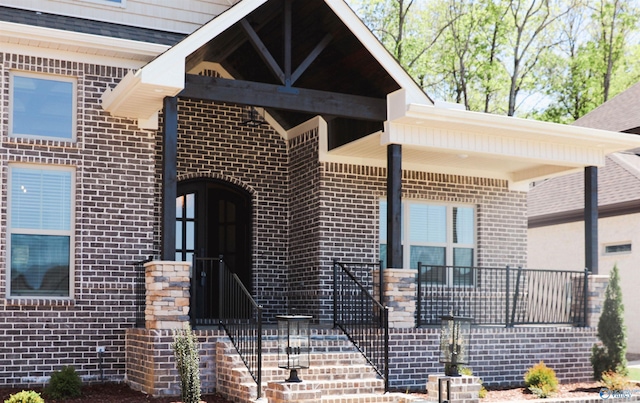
[
  {"x": 168, "y": 69},
  {"x": 80, "y": 42},
  {"x": 164, "y": 76},
  {"x": 420, "y": 115},
  {"x": 414, "y": 94}
]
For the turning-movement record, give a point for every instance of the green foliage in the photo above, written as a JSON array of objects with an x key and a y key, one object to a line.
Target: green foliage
[
  {"x": 615, "y": 381},
  {"x": 25, "y": 397},
  {"x": 64, "y": 384},
  {"x": 610, "y": 355},
  {"x": 185, "y": 348},
  {"x": 541, "y": 380}
]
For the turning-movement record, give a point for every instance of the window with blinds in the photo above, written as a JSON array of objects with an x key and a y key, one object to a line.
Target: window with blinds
[
  {"x": 40, "y": 230},
  {"x": 436, "y": 235}
]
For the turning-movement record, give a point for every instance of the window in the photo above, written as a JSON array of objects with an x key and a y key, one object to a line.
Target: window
[
  {"x": 40, "y": 231},
  {"x": 43, "y": 107},
  {"x": 435, "y": 235},
  {"x": 617, "y": 249}
]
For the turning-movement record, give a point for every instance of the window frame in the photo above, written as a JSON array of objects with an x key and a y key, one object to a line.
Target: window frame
[
  {"x": 605, "y": 252},
  {"x": 448, "y": 245},
  {"x": 70, "y": 232},
  {"x": 50, "y": 77}
]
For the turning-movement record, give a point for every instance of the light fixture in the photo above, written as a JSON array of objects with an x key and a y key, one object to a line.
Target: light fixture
[
  {"x": 293, "y": 344},
  {"x": 455, "y": 334},
  {"x": 253, "y": 116}
]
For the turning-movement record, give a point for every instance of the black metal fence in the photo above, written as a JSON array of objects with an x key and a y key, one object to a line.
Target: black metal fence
[
  {"x": 140, "y": 290},
  {"x": 359, "y": 314},
  {"x": 220, "y": 298},
  {"x": 502, "y": 296}
]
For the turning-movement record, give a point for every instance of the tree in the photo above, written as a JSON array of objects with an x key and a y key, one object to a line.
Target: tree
[{"x": 610, "y": 356}]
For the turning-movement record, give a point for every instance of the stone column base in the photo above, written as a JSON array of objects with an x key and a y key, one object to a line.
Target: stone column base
[{"x": 463, "y": 389}]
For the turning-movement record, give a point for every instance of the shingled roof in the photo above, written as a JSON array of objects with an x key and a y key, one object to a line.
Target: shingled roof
[
  {"x": 85, "y": 26},
  {"x": 618, "y": 114},
  {"x": 561, "y": 199}
]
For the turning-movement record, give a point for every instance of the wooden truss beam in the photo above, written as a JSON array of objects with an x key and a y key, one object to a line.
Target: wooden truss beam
[{"x": 289, "y": 99}]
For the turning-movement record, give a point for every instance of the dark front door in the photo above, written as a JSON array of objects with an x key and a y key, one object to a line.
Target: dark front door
[{"x": 213, "y": 220}]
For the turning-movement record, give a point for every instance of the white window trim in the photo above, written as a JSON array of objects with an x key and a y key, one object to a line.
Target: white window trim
[
  {"x": 448, "y": 245},
  {"x": 70, "y": 232},
  {"x": 74, "y": 108}
]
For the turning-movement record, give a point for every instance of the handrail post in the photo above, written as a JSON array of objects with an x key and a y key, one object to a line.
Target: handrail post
[
  {"x": 506, "y": 298},
  {"x": 259, "y": 381},
  {"x": 386, "y": 348},
  {"x": 192, "y": 293},
  {"x": 585, "y": 298},
  {"x": 419, "y": 296},
  {"x": 335, "y": 294}
]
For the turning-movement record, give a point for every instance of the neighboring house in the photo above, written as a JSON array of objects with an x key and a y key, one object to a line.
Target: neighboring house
[
  {"x": 128, "y": 133},
  {"x": 556, "y": 212}
]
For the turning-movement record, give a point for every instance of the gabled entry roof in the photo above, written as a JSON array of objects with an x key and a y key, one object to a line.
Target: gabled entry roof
[
  {"x": 329, "y": 50},
  {"x": 305, "y": 58}
]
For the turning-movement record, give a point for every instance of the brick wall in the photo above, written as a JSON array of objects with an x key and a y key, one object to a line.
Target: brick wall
[
  {"x": 498, "y": 355},
  {"x": 151, "y": 365},
  {"x": 306, "y": 286},
  {"x": 114, "y": 202}
]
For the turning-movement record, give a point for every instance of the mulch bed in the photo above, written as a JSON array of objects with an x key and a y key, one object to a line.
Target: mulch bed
[{"x": 110, "y": 393}]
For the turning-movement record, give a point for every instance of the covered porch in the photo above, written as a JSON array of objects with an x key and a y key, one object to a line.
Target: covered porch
[{"x": 344, "y": 128}]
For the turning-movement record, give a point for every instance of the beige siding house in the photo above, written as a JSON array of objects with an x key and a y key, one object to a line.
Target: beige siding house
[{"x": 556, "y": 213}]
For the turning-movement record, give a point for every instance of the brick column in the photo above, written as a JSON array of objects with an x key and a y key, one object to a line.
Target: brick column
[
  {"x": 167, "y": 297},
  {"x": 597, "y": 286},
  {"x": 464, "y": 389},
  {"x": 400, "y": 296}
]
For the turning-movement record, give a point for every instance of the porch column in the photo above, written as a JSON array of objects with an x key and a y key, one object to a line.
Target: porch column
[
  {"x": 394, "y": 206},
  {"x": 591, "y": 218},
  {"x": 169, "y": 178}
]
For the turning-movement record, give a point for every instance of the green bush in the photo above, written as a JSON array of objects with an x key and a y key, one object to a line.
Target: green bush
[
  {"x": 609, "y": 356},
  {"x": 615, "y": 381},
  {"x": 64, "y": 384},
  {"x": 26, "y": 396},
  {"x": 185, "y": 349},
  {"x": 541, "y": 380}
]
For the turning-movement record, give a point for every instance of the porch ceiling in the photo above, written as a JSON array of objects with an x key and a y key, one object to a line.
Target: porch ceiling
[{"x": 475, "y": 144}]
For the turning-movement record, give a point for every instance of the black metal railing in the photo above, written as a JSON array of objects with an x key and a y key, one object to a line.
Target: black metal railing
[
  {"x": 140, "y": 291},
  {"x": 220, "y": 298},
  {"x": 363, "y": 319},
  {"x": 502, "y": 296}
]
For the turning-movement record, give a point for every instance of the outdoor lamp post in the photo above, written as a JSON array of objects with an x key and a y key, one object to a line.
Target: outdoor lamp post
[
  {"x": 293, "y": 344},
  {"x": 454, "y": 343}
]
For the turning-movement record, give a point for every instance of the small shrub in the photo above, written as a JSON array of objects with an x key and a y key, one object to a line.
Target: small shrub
[
  {"x": 26, "y": 396},
  {"x": 615, "y": 381},
  {"x": 185, "y": 349},
  {"x": 64, "y": 384},
  {"x": 609, "y": 354},
  {"x": 541, "y": 380}
]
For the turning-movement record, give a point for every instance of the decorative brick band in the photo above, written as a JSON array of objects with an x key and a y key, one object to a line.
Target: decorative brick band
[{"x": 167, "y": 294}]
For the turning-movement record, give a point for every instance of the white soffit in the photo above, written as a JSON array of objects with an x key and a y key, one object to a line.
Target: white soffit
[
  {"x": 119, "y": 52},
  {"x": 477, "y": 144}
]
